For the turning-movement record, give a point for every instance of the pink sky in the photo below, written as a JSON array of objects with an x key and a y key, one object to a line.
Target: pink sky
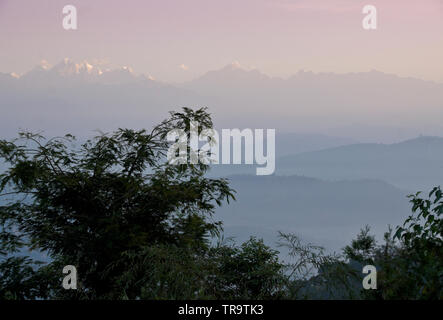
[{"x": 176, "y": 40}]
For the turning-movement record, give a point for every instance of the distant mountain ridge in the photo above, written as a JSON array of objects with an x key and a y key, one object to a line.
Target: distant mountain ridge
[
  {"x": 413, "y": 164},
  {"x": 231, "y": 75},
  {"x": 319, "y": 103}
]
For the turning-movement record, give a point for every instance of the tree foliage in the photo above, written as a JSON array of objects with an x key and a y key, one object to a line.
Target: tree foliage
[
  {"x": 409, "y": 262},
  {"x": 88, "y": 204}
]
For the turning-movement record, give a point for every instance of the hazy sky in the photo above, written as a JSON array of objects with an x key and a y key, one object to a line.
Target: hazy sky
[{"x": 176, "y": 40}]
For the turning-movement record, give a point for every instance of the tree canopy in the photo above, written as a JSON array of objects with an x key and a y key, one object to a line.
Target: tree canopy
[{"x": 86, "y": 204}]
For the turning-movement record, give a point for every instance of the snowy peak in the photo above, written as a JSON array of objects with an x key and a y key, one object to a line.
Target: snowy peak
[
  {"x": 83, "y": 71},
  {"x": 67, "y": 68}
]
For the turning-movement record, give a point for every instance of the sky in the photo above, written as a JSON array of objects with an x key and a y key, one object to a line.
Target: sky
[{"x": 176, "y": 40}]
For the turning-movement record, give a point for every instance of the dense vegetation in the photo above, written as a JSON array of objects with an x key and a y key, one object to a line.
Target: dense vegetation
[{"x": 137, "y": 227}]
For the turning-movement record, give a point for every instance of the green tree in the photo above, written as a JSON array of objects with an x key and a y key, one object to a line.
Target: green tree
[
  {"x": 410, "y": 262},
  {"x": 88, "y": 204},
  {"x": 251, "y": 271},
  {"x": 223, "y": 271},
  {"x": 422, "y": 235}
]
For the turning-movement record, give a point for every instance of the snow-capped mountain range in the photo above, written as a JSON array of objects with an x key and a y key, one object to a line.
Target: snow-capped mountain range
[
  {"x": 365, "y": 106},
  {"x": 68, "y": 69}
]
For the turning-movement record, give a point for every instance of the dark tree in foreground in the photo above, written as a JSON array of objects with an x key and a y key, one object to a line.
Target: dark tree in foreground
[
  {"x": 410, "y": 262},
  {"x": 223, "y": 271},
  {"x": 422, "y": 235},
  {"x": 87, "y": 204}
]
